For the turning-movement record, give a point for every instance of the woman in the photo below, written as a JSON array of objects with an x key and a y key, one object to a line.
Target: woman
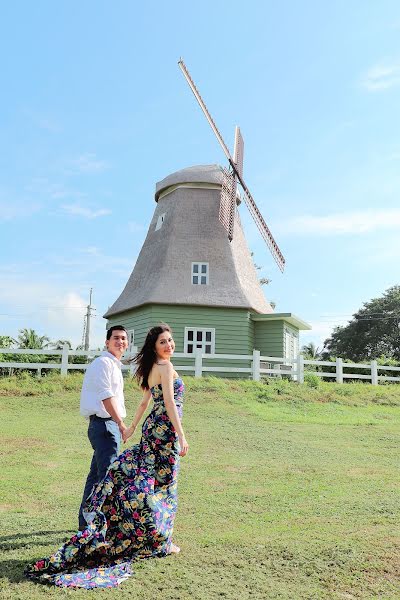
[{"x": 130, "y": 514}]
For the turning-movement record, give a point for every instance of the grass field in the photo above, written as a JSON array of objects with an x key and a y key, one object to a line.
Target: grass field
[{"x": 289, "y": 492}]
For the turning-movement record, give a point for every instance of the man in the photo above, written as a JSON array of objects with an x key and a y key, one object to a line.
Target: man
[{"x": 102, "y": 402}]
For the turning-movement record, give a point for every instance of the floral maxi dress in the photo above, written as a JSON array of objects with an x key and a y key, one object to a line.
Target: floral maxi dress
[{"x": 130, "y": 513}]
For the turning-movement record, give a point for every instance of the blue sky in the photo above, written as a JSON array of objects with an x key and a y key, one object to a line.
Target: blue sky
[{"x": 94, "y": 110}]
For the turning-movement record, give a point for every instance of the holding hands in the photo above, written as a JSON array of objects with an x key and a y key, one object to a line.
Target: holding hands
[{"x": 127, "y": 433}]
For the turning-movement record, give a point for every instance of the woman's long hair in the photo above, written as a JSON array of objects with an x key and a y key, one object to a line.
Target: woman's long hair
[{"x": 147, "y": 356}]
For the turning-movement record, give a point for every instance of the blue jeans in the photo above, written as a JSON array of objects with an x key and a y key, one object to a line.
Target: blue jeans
[{"x": 105, "y": 440}]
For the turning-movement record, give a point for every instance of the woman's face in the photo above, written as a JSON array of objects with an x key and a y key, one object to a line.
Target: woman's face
[{"x": 165, "y": 345}]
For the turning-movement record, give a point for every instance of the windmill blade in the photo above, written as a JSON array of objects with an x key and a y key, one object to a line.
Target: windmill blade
[
  {"x": 227, "y": 204},
  {"x": 204, "y": 109},
  {"x": 238, "y": 152},
  {"x": 263, "y": 228},
  {"x": 228, "y": 197}
]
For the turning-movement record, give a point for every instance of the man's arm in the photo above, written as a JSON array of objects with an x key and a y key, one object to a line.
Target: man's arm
[{"x": 110, "y": 406}]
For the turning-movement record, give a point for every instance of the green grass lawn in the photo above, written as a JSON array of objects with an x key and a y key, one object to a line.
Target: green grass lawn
[{"x": 288, "y": 491}]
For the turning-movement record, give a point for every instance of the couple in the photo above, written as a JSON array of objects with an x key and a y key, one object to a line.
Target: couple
[{"x": 130, "y": 499}]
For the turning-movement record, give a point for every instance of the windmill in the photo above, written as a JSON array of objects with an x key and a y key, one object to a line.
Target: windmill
[
  {"x": 231, "y": 176},
  {"x": 201, "y": 281}
]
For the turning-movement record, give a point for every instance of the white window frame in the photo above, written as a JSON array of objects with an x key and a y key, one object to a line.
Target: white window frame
[
  {"x": 131, "y": 340},
  {"x": 160, "y": 221},
  {"x": 203, "y": 343},
  {"x": 199, "y": 273},
  {"x": 291, "y": 344}
]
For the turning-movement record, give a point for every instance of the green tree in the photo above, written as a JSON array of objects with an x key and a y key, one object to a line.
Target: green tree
[
  {"x": 6, "y": 341},
  {"x": 28, "y": 338},
  {"x": 374, "y": 330},
  {"x": 311, "y": 351},
  {"x": 58, "y": 345}
]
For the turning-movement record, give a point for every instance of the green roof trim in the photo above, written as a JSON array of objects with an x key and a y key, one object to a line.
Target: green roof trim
[{"x": 287, "y": 317}]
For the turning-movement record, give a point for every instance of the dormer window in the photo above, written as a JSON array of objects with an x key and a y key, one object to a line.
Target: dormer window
[
  {"x": 160, "y": 221},
  {"x": 200, "y": 273}
]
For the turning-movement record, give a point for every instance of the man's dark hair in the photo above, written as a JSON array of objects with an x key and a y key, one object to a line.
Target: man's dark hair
[{"x": 115, "y": 328}]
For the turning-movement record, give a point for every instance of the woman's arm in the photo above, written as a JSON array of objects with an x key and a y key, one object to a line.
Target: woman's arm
[
  {"x": 167, "y": 382},
  {"x": 138, "y": 415}
]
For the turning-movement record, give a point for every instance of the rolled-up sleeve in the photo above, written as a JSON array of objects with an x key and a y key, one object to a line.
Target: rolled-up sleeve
[{"x": 102, "y": 380}]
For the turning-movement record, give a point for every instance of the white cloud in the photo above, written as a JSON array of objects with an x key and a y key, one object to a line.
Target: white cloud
[
  {"x": 92, "y": 260},
  {"x": 342, "y": 223},
  {"x": 394, "y": 156},
  {"x": 44, "y": 121},
  {"x": 89, "y": 163},
  {"x": 83, "y": 211},
  {"x": 45, "y": 188},
  {"x": 321, "y": 330},
  {"x": 134, "y": 227},
  {"x": 57, "y": 313},
  {"x": 381, "y": 77},
  {"x": 380, "y": 252},
  {"x": 92, "y": 250},
  {"x": 11, "y": 210}
]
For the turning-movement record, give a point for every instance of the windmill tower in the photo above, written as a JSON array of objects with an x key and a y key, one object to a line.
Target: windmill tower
[{"x": 195, "y": 270}]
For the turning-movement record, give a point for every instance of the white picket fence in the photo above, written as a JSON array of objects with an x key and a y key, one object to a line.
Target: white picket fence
[{"x": 258, "y": 365}]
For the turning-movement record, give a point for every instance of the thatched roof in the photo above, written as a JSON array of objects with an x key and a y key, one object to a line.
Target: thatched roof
[{"x": 191, "y": 232}]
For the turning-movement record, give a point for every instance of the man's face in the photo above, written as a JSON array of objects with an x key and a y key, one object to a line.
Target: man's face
[{"x": 118, "y": 343}]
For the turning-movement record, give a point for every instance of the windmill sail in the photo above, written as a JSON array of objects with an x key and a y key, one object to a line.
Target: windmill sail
[
  {"x": 228, "y": 194},
  {"x": 204, "y": 108},
  {"x": 227, "y": 204},
  {"x": 238, "y": 153},
  {"x": 264, "y": 229}
]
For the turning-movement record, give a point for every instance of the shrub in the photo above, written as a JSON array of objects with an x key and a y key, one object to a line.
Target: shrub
[{"x": 312, "y": 380}]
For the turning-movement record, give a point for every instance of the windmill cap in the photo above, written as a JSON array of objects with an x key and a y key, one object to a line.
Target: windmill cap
[{"x": 196, "y": 174}]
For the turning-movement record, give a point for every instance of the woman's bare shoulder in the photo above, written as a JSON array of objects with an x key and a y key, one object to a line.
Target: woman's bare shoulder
[
  {"x": 165, "y": 367},
  {"x": 167, "y": 371},
  {"x": 160, "y": 370}
]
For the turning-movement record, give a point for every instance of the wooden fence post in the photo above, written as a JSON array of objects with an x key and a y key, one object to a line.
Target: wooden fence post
[
  {"x": 64, "y": 360},
  {"x": 339, "y": 370},
  {"x": 300, "y": 369},
  {"x": 374, "y": 372},
  {"x": 256, "y": 365},
  {"x": 198, "y": 363}
]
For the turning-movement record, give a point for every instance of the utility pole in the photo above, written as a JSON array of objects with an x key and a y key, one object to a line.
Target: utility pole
[{"x": 87, "y": 321}]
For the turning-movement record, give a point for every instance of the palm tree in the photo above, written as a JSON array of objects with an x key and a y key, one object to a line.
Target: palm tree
[
  {"x": 28, "y": 338},
  {"x": 311, "y": 351},
  {"x": 58, "y": 345}
]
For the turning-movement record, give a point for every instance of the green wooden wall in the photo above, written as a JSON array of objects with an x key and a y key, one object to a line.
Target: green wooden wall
[
  {"x": 269, "y": 338},
  {"x": 235, "y": 331}
]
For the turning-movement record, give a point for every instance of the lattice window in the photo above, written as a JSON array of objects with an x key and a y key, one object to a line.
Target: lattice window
[
  {"x": 202, "y": 339},
  {"x": 200, "y": 273}
]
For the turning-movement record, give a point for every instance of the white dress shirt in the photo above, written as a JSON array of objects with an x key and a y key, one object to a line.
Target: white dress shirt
[{"x": 102, "y": 380}]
